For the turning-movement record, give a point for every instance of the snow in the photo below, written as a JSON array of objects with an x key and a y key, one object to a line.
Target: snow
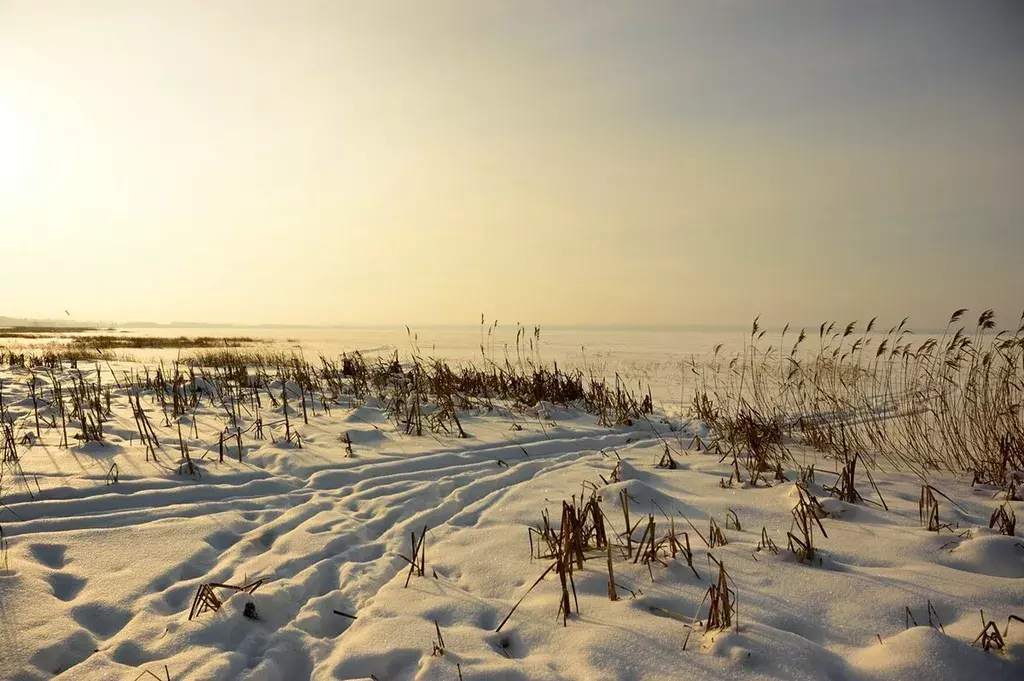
[{"x": 101, "y": 577}]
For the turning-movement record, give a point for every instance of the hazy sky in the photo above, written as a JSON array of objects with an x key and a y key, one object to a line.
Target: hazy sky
[{"x": 544, "y": 162}]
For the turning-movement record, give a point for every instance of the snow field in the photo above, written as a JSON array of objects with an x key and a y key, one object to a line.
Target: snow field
[{"x": 100, "y": 577}]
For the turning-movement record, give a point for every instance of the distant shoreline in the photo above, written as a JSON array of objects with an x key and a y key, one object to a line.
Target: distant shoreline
[{"x": 810, "y": 329}]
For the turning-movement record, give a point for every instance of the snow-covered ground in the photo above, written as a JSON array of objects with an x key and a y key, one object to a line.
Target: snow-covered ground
[{"x": 99, "y": 577}]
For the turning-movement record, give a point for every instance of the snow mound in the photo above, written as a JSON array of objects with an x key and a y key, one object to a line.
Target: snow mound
[
  {"x": 992, "y": 555},
  {"x": 924, "y": 653}
]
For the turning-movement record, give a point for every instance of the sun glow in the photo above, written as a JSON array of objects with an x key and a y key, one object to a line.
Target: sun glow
[{"x": 423, "y": 162}]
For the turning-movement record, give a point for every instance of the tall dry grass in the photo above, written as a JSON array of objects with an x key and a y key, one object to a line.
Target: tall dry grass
[{"x": 942, "y": 402}]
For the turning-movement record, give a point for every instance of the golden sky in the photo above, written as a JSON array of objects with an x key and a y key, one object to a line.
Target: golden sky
[{"x": 562, "y": 162}]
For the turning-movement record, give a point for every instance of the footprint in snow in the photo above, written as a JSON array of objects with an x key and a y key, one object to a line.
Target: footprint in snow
[
  {"x": 222, "y": 540},
  {"x": 103, "y": 620},
  {"x": 49, "y": 555},
  {"x": 65, "y": 587}
]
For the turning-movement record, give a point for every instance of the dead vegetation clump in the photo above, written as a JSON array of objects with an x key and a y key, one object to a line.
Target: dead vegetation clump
[
  {"x": 59, "y": 348},
  {"x": 41, "y": 331},
  {"x": 1004, "y": 519},
  {"x": 928, "y": 508},
  {"x": 236, "y": 358},
  {"x": 582, "y": 534},
  {"x": 206, "y": 597},
  {"x": 418, "y": 559},
  {"x": 723, "y": 603},
  {"x": 751, "y": 439},
  {"x": 132, "y": 342},
  {"x": 806, "y": 514},
  {"x": 990, "y": 638},
  {"x": 52, "y": 357},
  {"x": 933, "y": 618},
  {"x": 666, "y": 460},
  {"x": 948, "y": 402},
  {"x": 716, "y": 537},
  {"x": 723, "y": 606},
  {"x": 845, "y": 487},
  {"x": 438, "y": 648},
  {"x": 766, "y": 543}
]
